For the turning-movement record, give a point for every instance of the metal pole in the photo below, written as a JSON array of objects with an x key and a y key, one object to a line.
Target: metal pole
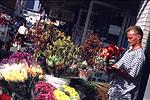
[{"x": 87, "y": 21}]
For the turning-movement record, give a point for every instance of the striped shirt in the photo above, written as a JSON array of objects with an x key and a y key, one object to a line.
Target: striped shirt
[{"x": 132, "y": 62}]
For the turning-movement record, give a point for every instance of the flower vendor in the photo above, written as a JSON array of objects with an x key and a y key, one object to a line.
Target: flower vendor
[{"x": 125, "y": 84}]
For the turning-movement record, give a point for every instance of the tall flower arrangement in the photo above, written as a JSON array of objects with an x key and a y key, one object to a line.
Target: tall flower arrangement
[
  {"x": 55, "y": 51},
  {"x": 90, "y": 48}
]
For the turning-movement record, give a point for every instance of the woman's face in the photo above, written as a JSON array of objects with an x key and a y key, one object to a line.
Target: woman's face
[{"x": 133, "y": 37}]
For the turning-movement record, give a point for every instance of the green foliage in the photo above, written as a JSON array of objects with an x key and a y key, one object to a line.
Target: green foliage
[{"x": 56, "y": 48}]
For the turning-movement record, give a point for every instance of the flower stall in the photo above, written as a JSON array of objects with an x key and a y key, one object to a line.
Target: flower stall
[
  {"x": 22, "y": 78},
  {"x": 54, "y": 68}
]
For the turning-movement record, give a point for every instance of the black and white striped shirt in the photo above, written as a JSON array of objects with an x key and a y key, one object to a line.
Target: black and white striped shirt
[{"x": 132, "y": 62}]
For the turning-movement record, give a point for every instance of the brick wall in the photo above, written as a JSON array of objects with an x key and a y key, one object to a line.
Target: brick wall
[{"x": 143, "y": 20}]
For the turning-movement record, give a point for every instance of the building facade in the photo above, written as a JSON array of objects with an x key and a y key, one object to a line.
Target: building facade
[{"x": 143, "y": 20}]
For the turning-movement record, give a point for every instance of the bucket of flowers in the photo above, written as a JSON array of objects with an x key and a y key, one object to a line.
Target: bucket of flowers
[
  {"x": 17, "y": 78},
  {"x": 62, "y": 90},
  {"x": 46, "y": 91}
]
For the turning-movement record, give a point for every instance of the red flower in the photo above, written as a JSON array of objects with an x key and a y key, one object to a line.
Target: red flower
[
  {"x": 4, "y": 96},
  {"x": 110, "y": 51}
]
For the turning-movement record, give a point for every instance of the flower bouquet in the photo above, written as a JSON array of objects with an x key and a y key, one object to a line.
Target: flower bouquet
[{"x": 107, "y": 56}]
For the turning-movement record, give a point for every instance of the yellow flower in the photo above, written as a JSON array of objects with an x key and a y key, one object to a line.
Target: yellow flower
[
  {"x": 16, "y": 73},
  {"x": 38, "y": 70},
  {"x": 60, "y": 95},
  {"x": 35, "y": 70},
  {"x": 71, "y": 92},
  {"x": 41, "y": 76}
]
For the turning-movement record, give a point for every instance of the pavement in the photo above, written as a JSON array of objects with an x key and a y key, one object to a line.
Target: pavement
[
  {"x": 26, "y": 44},
  {"x": 14, "y": 49}
]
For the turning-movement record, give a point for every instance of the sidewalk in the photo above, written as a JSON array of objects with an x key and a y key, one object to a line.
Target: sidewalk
[{"x": 14, "y": 49}]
